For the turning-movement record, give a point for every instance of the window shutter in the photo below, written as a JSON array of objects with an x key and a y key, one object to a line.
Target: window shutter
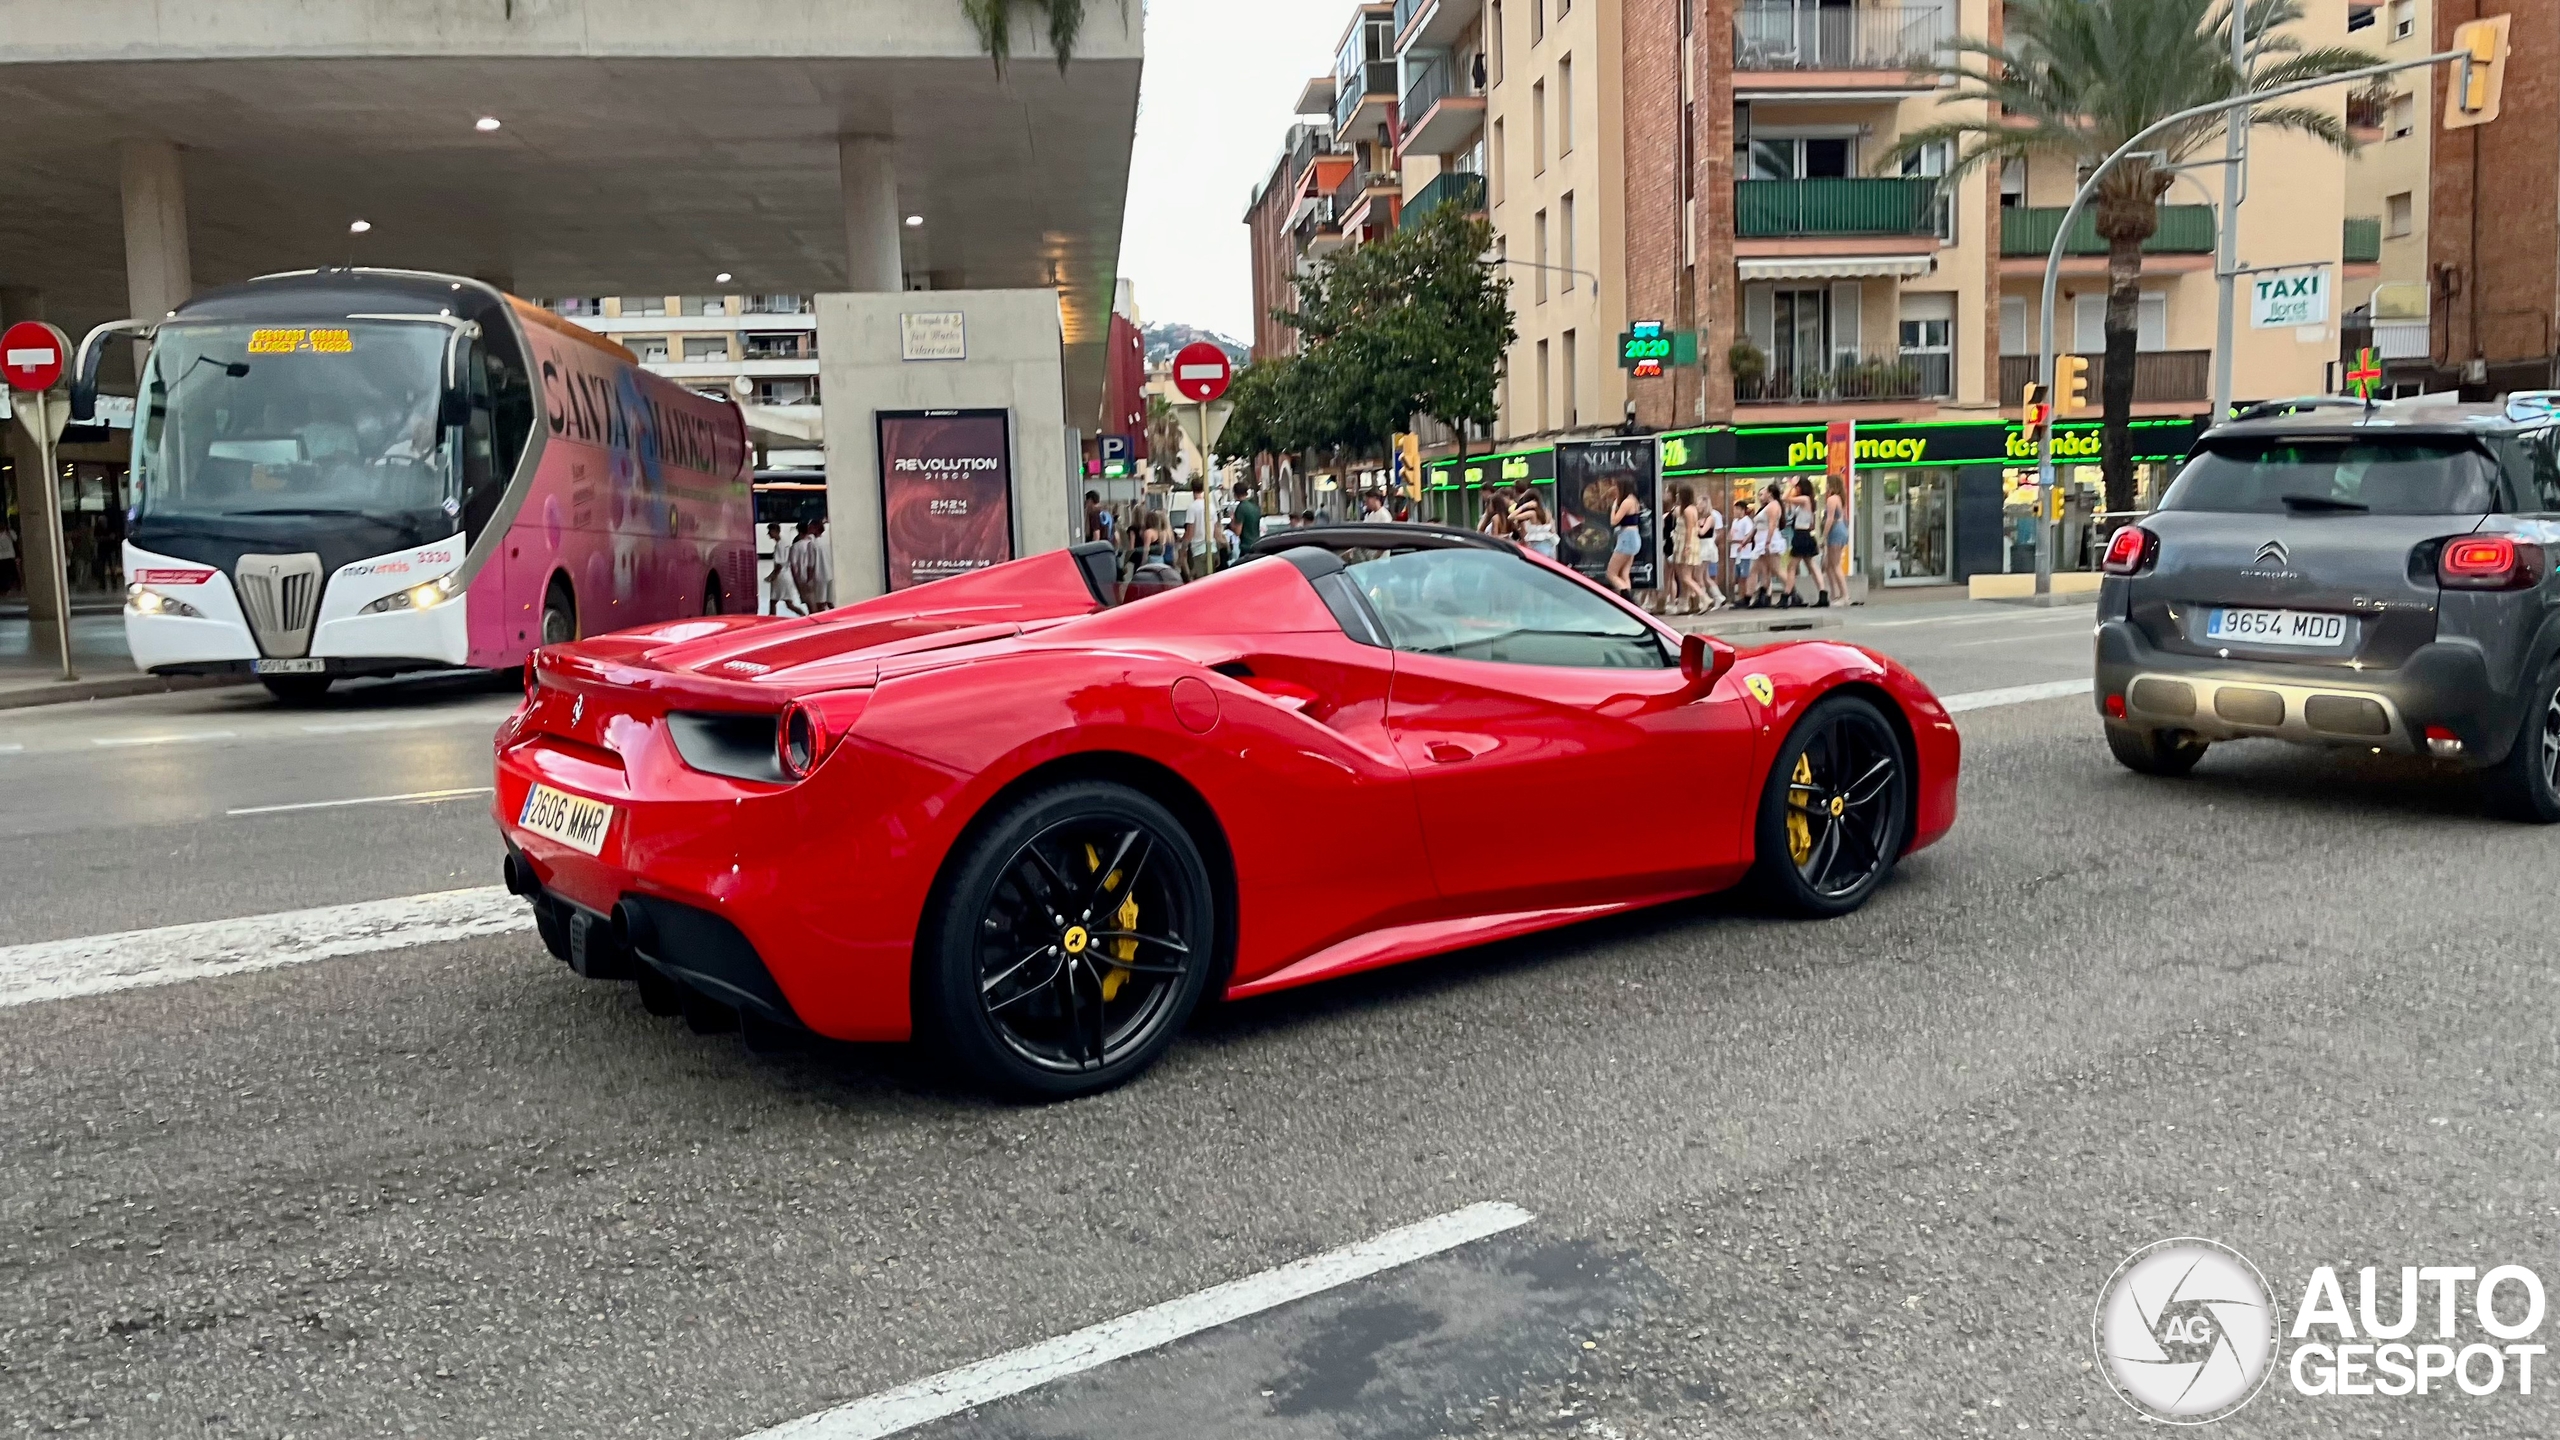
[
  {"x": 1845, "y": 340},
  {"x": 2089, "y": 325},
  {"x": 2013, "y": 325},
  {"x": 2152, "y": 326},
  {"x": 1760, "y": 316}
]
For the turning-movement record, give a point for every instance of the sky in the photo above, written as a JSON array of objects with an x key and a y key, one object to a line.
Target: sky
[{"x": 1221, "y": 82}]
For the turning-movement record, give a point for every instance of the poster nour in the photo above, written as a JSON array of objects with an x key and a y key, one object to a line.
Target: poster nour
[
  {"x": 1588, "y": 473},
  {"x": 946, "y": 493}
]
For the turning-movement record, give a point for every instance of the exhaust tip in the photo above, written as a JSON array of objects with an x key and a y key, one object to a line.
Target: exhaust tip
[
  {"x": 632, "y": 931},
  {"x": 518, "y": 874}
]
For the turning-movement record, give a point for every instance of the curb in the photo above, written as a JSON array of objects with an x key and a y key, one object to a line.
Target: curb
[
  {"x": 2042, "y": 602},
  {"x": 111, "y": 687}
]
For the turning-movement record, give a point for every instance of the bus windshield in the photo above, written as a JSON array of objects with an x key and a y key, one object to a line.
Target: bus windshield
[{"x": 285, "y": 420}]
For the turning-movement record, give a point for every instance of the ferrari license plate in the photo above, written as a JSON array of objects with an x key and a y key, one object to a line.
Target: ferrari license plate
[
  {"x": 573, "y": 820},
  {"x": 2277, "y": 627},
  {"x": 292, "y": 667}
]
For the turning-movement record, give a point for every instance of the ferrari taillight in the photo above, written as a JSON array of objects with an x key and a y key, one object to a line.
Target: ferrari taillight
[
  {"x": 809, "y": 728},
  {"x": 2130, "y": 551},
  {"x": 2488, "y": 562}
]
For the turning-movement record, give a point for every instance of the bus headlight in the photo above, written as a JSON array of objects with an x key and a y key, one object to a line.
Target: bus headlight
[
  {"x": 417, "y": 597},
  {"x": 140, "y": 600}
]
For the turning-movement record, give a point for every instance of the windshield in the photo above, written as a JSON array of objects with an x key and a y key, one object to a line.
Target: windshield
[
  {"x": 274, "y": 420},
  {"x": 2398, "y": 477},
  {"x": 1484, "y": 605}
]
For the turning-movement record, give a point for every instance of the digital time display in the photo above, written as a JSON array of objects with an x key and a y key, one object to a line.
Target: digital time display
[{"x": 300, "y": 342}]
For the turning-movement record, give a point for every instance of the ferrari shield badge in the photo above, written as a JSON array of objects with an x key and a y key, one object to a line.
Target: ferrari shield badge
[{"x": 1760, "y": 688}]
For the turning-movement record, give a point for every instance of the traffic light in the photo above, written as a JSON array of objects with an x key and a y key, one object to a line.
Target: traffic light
[
  {"x": 1409, "y": 464},
  {"x": 2032, "y": 409},
  {"x": 2480, "y": 76},
  {"x": 2070, "y": 385}
]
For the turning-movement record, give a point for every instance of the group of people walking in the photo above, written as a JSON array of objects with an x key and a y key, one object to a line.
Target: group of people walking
[
  {"x": 1763, "y": 551},
  {"x": 1518, "y": 515}
]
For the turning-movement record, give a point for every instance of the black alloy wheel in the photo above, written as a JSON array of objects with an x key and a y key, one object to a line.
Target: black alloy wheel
[
  {"x": 2166, "y": 753},
  {"x": 2526, "y": 785},
  {"x": 1835, "y": 812},
  {"x": 1074, "y": 940},
  {"x": 559, "y": 613}
]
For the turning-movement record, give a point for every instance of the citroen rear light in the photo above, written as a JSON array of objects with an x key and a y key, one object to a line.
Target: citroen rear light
[
  {"x": 2443, "y": 743},
  {"x": 810, "y": 727},
  {"x": 2488, "y": 562},
  {"x": 2131, "y": 551}
]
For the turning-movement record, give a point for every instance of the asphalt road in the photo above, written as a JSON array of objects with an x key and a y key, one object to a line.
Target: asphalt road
[{"x": 1863, "y": 1178}]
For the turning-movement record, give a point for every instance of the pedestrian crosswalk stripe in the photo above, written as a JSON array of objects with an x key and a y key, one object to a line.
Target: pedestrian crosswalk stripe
[
  {"x": 2015, "y": 695},
  {"x": 133, "y": 959}
]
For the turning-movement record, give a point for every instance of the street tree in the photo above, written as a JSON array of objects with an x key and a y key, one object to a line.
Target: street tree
[{"x": 2076, "y": 79}]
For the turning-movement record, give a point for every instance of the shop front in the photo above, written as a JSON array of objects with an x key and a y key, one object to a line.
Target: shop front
[
  {"x": 1453, "y": 489},
  {"x": 1935, "y": 500}
]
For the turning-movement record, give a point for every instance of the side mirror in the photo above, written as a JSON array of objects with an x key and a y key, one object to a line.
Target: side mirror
[
  {"x": 84, "y": 365},
  {"x": 1704, "y": 659}
]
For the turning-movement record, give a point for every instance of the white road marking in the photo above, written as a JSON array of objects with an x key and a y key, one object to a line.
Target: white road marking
[
  {"x": 367, "y": 727},
  {"x": 185, "y": 738},
  {"x": 11, "y": 749},
  {"x": 133, "y": 959},
  {"x": 936, "y": 1396},
  {"x": 2015, "y": 695},
  {"x": 415, "y": 797},
  {"x": 2016, "y": 639},
  {"x": 1975, "y": 620}
]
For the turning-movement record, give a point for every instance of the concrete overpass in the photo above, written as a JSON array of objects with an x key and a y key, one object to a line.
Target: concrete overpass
[{"x": 641, "y": 147}]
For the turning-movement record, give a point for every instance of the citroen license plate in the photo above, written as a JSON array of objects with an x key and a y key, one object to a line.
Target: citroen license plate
[
  {"x": 573, "y": 820},
  {"x": 2277, "y": 627}
]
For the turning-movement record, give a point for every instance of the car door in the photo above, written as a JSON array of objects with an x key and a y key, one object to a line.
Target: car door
[{"x": 1558, "y": 754}]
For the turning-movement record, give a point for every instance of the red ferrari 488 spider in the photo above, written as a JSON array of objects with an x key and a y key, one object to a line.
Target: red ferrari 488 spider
[{"x": 1032, "y": 821}]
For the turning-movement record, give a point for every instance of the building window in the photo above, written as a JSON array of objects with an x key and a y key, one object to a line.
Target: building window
[
  {"x": 1572, "y": 393},
  {"x": 1543, "y": 386},
  {"x": 1538, "y": 128},
  {"x": 644, "y": 304},
  {"x": 1537, "y": 21},
  {"x": 1801, "y": 157},
  {"x": 1540, "y": 256},
  {"x": 2151, "y": 322},
  {"x": 647, "y": 347},
  {"x": 2013, "y": 328},
  {"x": 1496, "y": 35},
  {"x": 2404, "y": 116},
  {"x": 1928, "y": 342},
  {"x": 1564, "y": 240},
  {"x": 2399, "y": 214},
  {"x": 2404, "y": 19},
  {"x": 2359, "y": 17},
  {"x": 2013, "y": 182},
  {"x": 582, "y": 305},
  {"x": 698, "y": 348},
  {"x": 1564, "y": 106},
  {"x": 1496, "y": 182},
  {"x": 1930, "y": 162}
]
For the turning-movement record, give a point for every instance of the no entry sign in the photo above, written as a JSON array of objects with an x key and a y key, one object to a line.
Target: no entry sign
[
  {"x": 1201, "y": 372},
  {"x": 32, "y": 354}
]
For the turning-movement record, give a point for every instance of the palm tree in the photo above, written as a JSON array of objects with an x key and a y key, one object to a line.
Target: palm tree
[
  {"x": 994, "y": 19},
  {"x": 2075, "y": 79}
]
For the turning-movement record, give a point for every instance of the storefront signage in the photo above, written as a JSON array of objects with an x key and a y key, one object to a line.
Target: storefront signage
[
  {"x": 933, "y": 335},
  {"x": 1588, "y": 492},
  {"x": 946, "y": 493},
  {"x": 2282, "y": 298},
  {"x": 1771, "y": 449},
  {"x": 1533, "y": 467}
]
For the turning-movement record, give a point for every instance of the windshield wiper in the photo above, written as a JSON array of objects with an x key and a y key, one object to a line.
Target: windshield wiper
[{"x": 2325, "y": 504}]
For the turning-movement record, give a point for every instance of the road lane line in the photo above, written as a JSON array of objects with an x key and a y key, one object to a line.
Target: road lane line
[
  {"x": 11, "y": 749},
  {"x": 183, "y": 738},
  {"x": 2016, "y": 639},
  {"x": 2020, "y": 619},
  {"x": 2015, "y": 695},
  {"x": 937, "y": 1396},
  {"x": 415, "y": 797},
  {"x": 367, "y": 727},
  {"x": 133, "y": 959}
]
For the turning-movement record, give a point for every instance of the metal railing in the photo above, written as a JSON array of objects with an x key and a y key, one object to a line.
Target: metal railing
[
  {"x": 1832, "y": 37},
  {"x": 1318, "y": 222},
  {"x": 1450, "y": 187},
  {"x": 1361, "y": 180},
  {"x": 2160, "y": 377},
  {"x": 2362, "y": 243},
  {"x": 1377, "y": 77},
  {"x": 1767, "y": 209},
  {"x": 2029, "y": 230},
  {"x": 1879, "y": 375},
  {"x": 1431, "y": 85},
  {"x": 1306, "y": 142}
]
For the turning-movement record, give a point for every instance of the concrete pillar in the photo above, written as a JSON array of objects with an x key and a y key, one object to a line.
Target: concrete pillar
[
  {"x": 36, "y": 494},
  {"x": 868, "y": 165},
  {"x": 159, "y": 272}
]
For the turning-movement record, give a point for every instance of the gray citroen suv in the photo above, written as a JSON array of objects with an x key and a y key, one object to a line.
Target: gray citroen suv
[{"x": 2332, "y": 573}]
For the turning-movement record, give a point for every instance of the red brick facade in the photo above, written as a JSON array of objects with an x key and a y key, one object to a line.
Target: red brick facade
[
  {"x": 2493, "y": 229},
  {"x": 1273, "y": 261},
  {"x": 1679, "y": 188}
]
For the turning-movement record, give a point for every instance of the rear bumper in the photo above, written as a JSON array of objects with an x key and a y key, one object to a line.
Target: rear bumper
[
  {"x": 685, "y": 943},
  {"x": 2446, "y": 683}
]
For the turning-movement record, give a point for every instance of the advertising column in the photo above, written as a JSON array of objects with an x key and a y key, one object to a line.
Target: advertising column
[{"x": 946, "y": 493}]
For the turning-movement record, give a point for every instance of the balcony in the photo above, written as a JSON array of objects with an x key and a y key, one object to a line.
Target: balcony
[
  {"x": 1440, "y": 22},
  {"x": 1306, "y": 142},
  {"x": 1882, "y": 375},
  {"x": 1451, "y": 188},
  {"x": 1356, "y": 187},
  {"x": 1316, "y": 227},
  {"x": 2362, "y": 244},
  {"x": 1441, "y": 112},
  {"x": 2160, "y": 377},
  {"x": 1769, "y": 37},
  {"x": 1375, "y": 87},
  {"x": 2183, "y": 230},
  {"x": 1787, "y": 209}
]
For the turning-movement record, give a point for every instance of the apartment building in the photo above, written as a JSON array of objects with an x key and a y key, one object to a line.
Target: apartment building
[
  {"x": 2396, "y": 118},
  {"x": 759, "y": 350}
]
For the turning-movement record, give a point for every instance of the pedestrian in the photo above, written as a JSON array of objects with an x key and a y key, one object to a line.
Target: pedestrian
[
  {"x": 1746, "y": 556},
  {"x": 781, "y": 592},
  {"x": 1626, "y": 519},
  {"x": 1804, "y": 542},
  {"x": 1774, "y": 544},
  {"x": 1537, "y": 528},
  {"x": 1196, "y": 539},
  {"x": 1248, "y": 516},
  {"x": 1685, "y": 581},
  {"x": 1710, "y": 561},
  {"x": 1373, "y": 508},
  {"x": 1498, "y": 521},
  {"x": 1097, "y": 517},
  {"x": 1835, "y": 546},
  {"x": 813, "y": 567}
]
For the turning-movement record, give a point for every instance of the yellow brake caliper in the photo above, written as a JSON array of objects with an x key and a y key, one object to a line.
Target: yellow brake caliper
[
  {"x": 1126, "y": 918},
  {"x": 1799, "y": 823}
]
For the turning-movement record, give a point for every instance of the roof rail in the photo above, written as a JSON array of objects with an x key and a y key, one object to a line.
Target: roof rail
[{"x": 2265, "y": 408}]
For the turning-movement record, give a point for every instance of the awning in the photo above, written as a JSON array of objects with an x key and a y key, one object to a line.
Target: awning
[{"x": 1835, "y": 267}]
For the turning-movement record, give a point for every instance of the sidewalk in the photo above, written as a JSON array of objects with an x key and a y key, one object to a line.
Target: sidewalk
[{"x": 29, "y": 675}]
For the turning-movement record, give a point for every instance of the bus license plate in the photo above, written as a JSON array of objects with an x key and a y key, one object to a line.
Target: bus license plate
[
  {"x": 292, "y": 667},
  {"x": 573, "y": 820},
  {"x": 2277, "y": 627}
]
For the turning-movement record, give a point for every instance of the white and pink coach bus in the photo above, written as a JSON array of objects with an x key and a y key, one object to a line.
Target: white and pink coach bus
[{"x": 363, "y": 472}]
